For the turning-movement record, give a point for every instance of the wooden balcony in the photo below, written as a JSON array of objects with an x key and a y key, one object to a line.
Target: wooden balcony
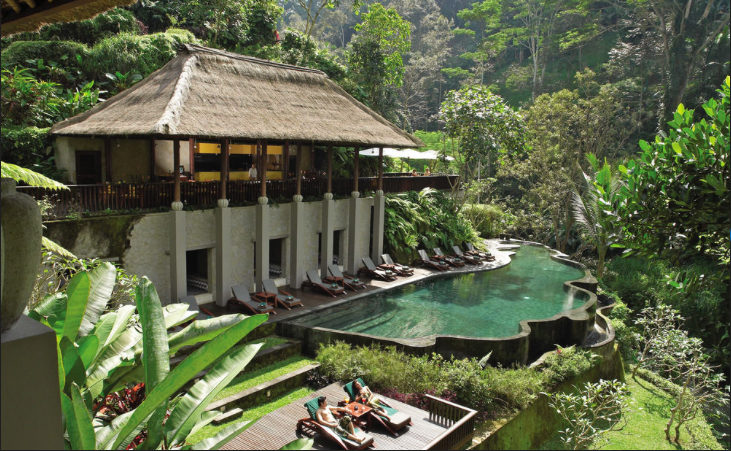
[{"x": 159, "y": 196}]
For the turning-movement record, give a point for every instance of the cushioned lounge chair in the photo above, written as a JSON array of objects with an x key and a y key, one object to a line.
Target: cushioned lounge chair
[
  {"x": 398, "y": 420},
  {"x": 332, "y": 289},
  {"x": 350, "y": 282},
  {"x": 193, "y": 306},
  {"x": 282, "y": 298},
  {"x": 327, "y": 432},
  {"x": 471, "y": 259},
  {"x": 453, "y": 261},
  {"x": 373, "y": 271},
  {"x": 487, "y": 256},
  {"x": 244, "y": 299},
  {"x": 436, "y": 264},
  {"x": 401, "y": 270}
]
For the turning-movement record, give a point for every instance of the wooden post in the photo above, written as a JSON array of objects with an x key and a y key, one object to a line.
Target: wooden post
[
  {"x": 263, "y": 169},
  {"x": 176, "y": 170},
  {"x": 152, "y": 160},
  {"x": 108, "y": 159},
  {"x": 191, "y": 153},
  {"x": 224, "y": 167},
  {"x": 380, "y": 168},
  {"x": 356, "y": 174},
  {"x": 285, "y": 163},
  {"x": 257, "y": 159},
  {"x": 298, "y": 169},
  {"x": 330, "y": 169}
]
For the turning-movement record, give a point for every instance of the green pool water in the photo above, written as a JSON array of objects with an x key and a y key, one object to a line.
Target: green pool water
[{"x": 484, "y": 304}]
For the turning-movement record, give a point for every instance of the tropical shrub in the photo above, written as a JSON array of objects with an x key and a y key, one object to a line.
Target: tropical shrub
[
  {"x": 566, "y": 363},
  {"x": 486, "y": 220},
  {"x": 26, "y": 53},
  {"x": 28, "y": 146},
  {"x": 100, "y": 354}
]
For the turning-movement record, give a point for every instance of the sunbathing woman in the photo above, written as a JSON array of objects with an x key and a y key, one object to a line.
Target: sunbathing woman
[
  {"x": 343, "y": 427},
  {"x": 372, "y": 401}
]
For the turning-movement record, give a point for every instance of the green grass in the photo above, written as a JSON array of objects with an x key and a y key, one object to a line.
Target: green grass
[
  {"x": 646, "y": 423},
  {"x": 268, "y": 342},
  {"x": 252, "y": 415},
  {"x": 264, "y": 374}
]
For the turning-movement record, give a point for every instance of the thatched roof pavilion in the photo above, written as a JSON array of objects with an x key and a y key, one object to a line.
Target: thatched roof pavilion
[
  {"x": 30, "y": 15},
  {"x": 208, "y": 93}
]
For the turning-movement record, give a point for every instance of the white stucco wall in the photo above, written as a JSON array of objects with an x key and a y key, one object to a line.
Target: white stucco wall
[
  {"x": 148, "y": 252},
  {"x": 243, "y": 234},
  {"x": 164, "y": 156},
  {"x": 66, "y": 148}
]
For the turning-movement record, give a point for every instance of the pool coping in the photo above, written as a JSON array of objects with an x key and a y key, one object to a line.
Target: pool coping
[{"x": 579, "y": 318}]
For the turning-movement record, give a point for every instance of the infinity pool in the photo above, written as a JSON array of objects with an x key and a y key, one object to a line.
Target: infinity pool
[{"x": 484, "y": 304}]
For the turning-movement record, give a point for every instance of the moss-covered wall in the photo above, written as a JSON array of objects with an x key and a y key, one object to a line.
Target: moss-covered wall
[
  {"x": 537, "y": 423},
  {"x": 103, "y": 237}
]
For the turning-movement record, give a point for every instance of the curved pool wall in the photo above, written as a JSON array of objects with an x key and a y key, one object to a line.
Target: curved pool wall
[{"x": 536, "y": 337}]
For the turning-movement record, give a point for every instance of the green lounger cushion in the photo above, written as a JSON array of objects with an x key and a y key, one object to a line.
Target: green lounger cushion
[{"x": 398, "y": 419}]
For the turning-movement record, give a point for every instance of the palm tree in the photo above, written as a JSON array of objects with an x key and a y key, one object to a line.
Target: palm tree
[{"x": 595, "y": 211}]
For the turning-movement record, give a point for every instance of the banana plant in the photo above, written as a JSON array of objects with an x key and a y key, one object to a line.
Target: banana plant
[{"x": 99, "y": 354}]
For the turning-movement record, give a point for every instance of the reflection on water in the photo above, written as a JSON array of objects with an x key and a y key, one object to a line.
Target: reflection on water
[{"x": 485, "y": 304}]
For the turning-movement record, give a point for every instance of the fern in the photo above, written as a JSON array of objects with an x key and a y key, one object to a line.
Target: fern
[
  {"x": 32, "y": 178},
  {"x": 57, "y": 248}
]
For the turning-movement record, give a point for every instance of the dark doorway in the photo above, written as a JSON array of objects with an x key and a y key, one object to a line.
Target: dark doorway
[
  {"x": 196, "y": 266},
  {"x": 88, "y": 167}
]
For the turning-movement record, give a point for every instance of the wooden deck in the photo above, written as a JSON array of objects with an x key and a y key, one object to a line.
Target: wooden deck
[{"x": 278, "y": 428}]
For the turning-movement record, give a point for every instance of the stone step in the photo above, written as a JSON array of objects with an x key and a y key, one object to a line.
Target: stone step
[
  {"x": 228, "y": 416},
  {"x": 265, "y": 391}
]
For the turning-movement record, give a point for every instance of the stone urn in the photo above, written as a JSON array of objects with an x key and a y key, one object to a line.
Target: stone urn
[{"x": 21, "y": 234}]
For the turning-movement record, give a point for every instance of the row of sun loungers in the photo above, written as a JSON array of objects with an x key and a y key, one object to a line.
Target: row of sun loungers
[{"x": 442, "y": 262}]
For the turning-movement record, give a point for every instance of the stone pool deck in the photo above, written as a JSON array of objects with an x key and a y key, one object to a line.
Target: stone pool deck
[{"x": 314, "y": 299}]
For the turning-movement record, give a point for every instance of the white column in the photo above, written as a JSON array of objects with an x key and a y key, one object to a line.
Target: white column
[
  {"x": 178, "y": 273},
  {"x": 262, "y": 241},
  {"x": 326, "y": 241},
  {"x": 354, "y": 230},
  {"x": 296, "y": 233},
  {"x": 223, "y": 253},
  {"x": 379, "y": 212}
]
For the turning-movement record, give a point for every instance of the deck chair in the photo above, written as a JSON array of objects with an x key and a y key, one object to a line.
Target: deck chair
[
  {"x": 244, "y": 299},
  {"x": 350, "y": 282},
  {"x": 329, "y": 433},
  {"x": 331, "y": 289},
  {"x": 193, "y": 307},
  {"x": 283, "y": 298},
  {"x": 439, "y": 255},
  {"x": 436, "y": 264},
  {"x": 471, "y": 259},
  {"x": 487, "y": 256},
  {"x": 398, "y": 419},
  {"x": 401, "y": 270},
  {"x": 382, "y": 274}
]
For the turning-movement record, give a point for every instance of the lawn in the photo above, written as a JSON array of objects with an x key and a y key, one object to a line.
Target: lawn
[
  {"x": 646, "y": 423},
  {"x": 261, "y": 375}
]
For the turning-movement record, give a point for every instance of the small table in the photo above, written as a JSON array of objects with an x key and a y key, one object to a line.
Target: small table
[
  {"x": 335, "y": 280},
  {"x": 269, "y": 298},
  {"x": 360, "y": 417}
]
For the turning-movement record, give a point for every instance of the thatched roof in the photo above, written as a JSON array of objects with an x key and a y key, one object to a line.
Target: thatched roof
[
  {"x": 207, "y": 93},
  {"x": 30, "y": 15}
]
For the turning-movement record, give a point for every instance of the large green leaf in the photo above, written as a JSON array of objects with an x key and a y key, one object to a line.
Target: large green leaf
[
  {"x": 300, "y": 443},
  {"x": 51, "y": 305},
  {"x": 73, "y": 366},
  {"x": 78, "y": 420},
  {"x": 202, "y": 330},
  {"x": 88, "y": 347},
  {"x": 155, "y": 353},
  {"x": 101, "y": 285},
  {"x": 177, "y": 314},
  {"x": 220, "y": 439},
  {"x": 121, "y": 321},
  {"x": 57, "y": 248},
  {"x": 206, "y": 418},
  {"x": 189, "y": 409},
  {"x": 106, "y": 434},
  {"x": 196, "y": 362},
  {"x": 118, "y": 351},
  {"x": 32, "y": 178},
  {"x": 78, "y": 296}
]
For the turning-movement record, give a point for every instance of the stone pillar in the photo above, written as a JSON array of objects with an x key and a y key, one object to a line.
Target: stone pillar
[
  {"x": 262, "y": 241},
  {"x": 379, "y": 204},
  {"x": 178, "y": 238},
  {"x": 326, "y": 241},
  {"x": 354, "y": 229},
  {"x": 296, "y": 267},
  {"x": 223, "y": 253}
]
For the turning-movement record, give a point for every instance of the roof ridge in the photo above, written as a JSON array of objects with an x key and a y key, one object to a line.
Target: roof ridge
[
  {"x": 170, "y": 118},
  {"x": 194, "y": 48}
]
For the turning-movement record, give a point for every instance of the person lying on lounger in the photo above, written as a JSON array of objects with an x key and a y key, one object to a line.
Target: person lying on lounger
[
  {"x": 372, "y": 401},
  {"x": 344, "y": 426}
]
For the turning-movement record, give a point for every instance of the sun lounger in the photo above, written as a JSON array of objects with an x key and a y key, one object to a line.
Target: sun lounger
[
  {"x": 471, "y": 259},
  {"x": 350, "y": 282},
  {"x": 332, "y": 289},
  {"x": 330, "y": 433},
  {"x": 193, "y": 306},
  {"x": 398, "y": 420},
  {"x": 382, "y": 274},
  {"x": 401, "y": 270},
  {"x": 487, "y": 256},
  {"x": 438, "y": 254},
  {"x": 436, "y": 264},
  {"x": 281, "y": 297},
  {"x": 244, "y": 299}
]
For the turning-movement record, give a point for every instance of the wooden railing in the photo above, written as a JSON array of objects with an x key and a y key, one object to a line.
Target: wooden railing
[
  {"x": 145, "y": 196},
  {"x": 459, "y": 419}
]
